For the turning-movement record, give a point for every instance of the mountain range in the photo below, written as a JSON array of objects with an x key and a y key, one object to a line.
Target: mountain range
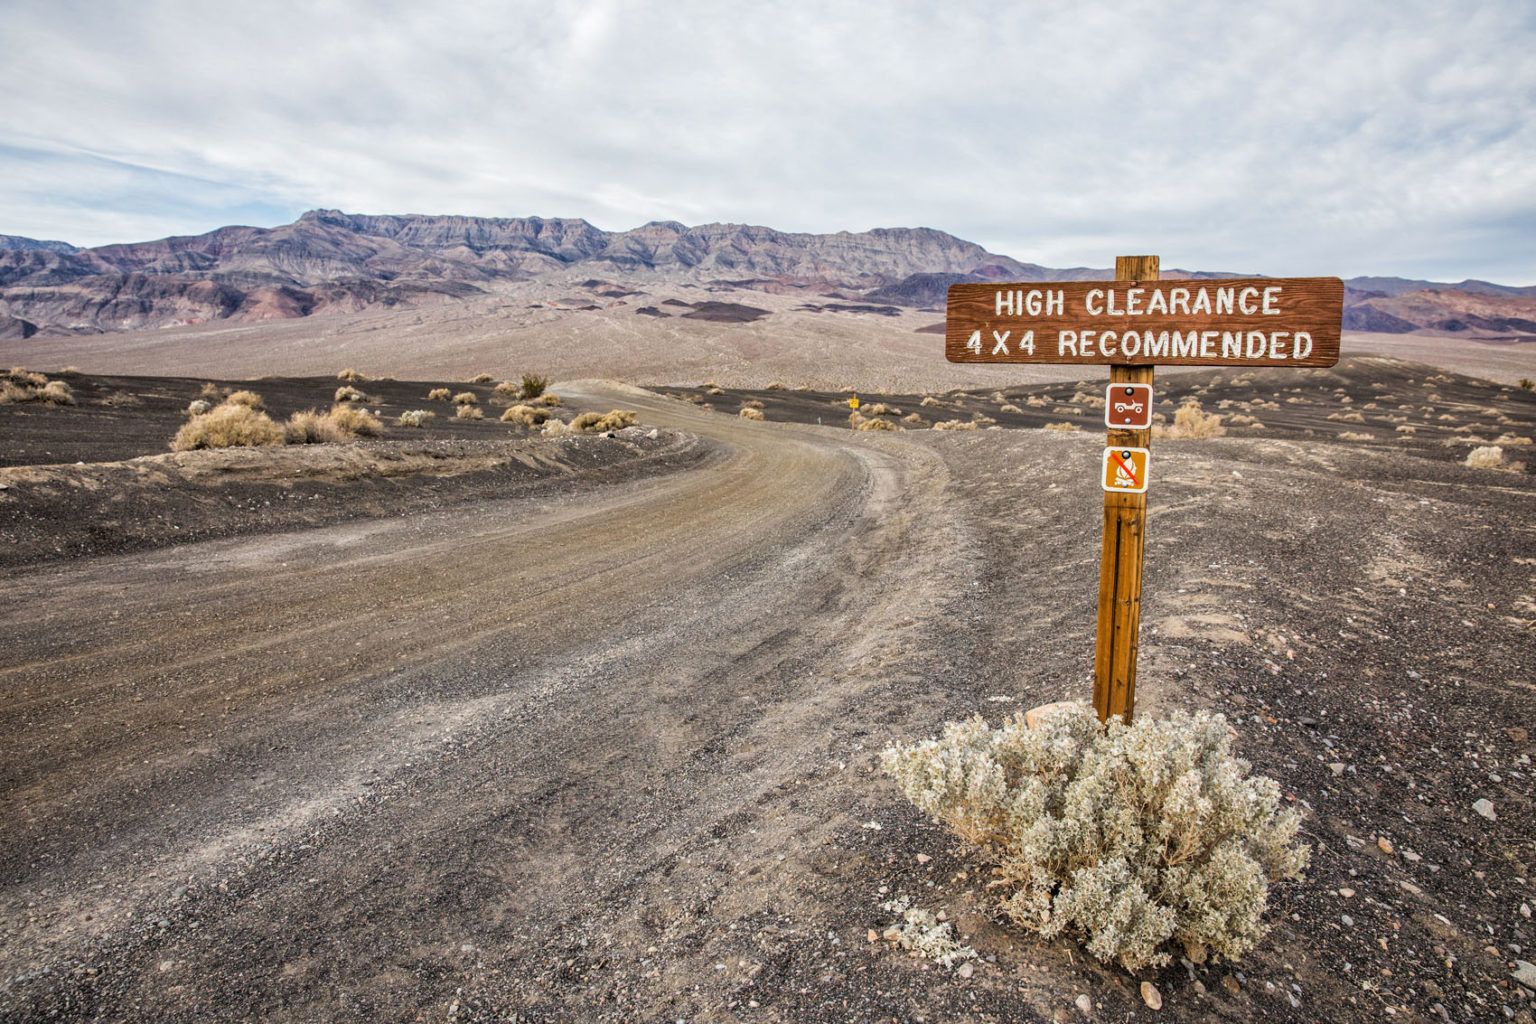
[{"x": 329, "y": 261}]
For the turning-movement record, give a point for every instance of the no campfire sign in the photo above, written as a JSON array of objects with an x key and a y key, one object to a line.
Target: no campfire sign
[{"x": 1131, "y": 324}]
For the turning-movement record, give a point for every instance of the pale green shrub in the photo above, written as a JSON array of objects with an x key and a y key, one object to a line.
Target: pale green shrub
[
  {"x": 198, "y": 406},
  {"x": 534, "y": 385},
  {"x": 347, "y": 393},
  {"x": 1131, "y": 837},
  {"x": 415, "y": 418},
  {"x": 1491, "y": 457}
]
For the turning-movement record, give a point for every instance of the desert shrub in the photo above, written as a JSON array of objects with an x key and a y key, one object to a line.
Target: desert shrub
[
  {"x": 1527, "y": 384},
  {"x": 1009, "y": 407},
  {"x": 525, "y": 415},
  {"x": 1491, "y": 457},
  {"x": 1512, "y": 440},
  {"x": 1355, "y": 435},
  {"x": 1347, "y": 417},
  {"x": 347, "y": 393},
  {"x": 880, "y": 409},
  {"x": 777, "y": 386},
  {"x": 1065, "y": 410},
  {"x": 749, "y": 413},
  {"x": 1191, "y": 423},
  {"x": 752, "y": 403},
  {"x": 1131, "y": 837},
  {"x": 557, "y": 428},
  {"x": 350, "y": 375},
  {"x": 198, "y": 406},
  {"x": 356, "y": 421},
  {"x": 415, "y": 418},
  {"x": 1243, "y": 420},
  {"x": 597, "y": 423},
  {"x": 983, "y": 419},
  {"x": 213, "y": 393},
  {"x": 1063, "y": 427},
  {"x": 481, "y": 378},
  {"x": 24, "y": 377},
  {"x": 230, "y": 425},
  {"x": 929, "y": 402},
  {"x": 534, "y": 385},
  {"x": 439, "y": 395},
  {"x": 1084, "y": 398},
  {"x": 313, "y": 427},
  {"x": 466, "y": 398},
  {"x": 1037, "y": 401},
  {"x": 1407, "y": 428},
  {"x": 508, "y": 389},
  {"x": 249, "y": 399},
  {"x": 468, "y": 412},
  {"x": 914, "y": 419},
  {"x": 549, "y": 398},
  {"x": 10, "y": 393},
  {"x": 954, "y": 425},
  {"x": 877, "y": 425},
  {"x": 56, "y": 392}
]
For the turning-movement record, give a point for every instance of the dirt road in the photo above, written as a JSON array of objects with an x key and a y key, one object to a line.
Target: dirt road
[{"x": 608, "y": 753}]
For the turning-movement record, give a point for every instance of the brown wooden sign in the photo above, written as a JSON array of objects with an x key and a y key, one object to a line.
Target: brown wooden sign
[{"x": 1243, "y": 321}]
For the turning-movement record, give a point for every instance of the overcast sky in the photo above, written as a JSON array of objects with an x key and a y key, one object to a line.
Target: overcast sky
[{"x": 1305, "y": 138}]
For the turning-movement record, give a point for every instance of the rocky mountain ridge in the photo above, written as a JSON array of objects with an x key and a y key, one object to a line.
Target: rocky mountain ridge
[{"x": 330, "y": 261}]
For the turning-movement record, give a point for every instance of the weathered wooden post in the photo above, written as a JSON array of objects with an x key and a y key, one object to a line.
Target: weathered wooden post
[{"x": 1125, "y": 526}]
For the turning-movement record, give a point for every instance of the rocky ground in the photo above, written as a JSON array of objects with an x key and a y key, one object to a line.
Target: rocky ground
[{"x": 604, "y": 747}]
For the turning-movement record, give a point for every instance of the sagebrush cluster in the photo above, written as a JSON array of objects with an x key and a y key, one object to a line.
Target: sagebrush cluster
[{"x": 1133, "y": 837}]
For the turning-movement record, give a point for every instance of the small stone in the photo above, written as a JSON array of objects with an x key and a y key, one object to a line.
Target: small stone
[
  {"x": 1035, "y": 716},
  {"x": 1349, "y": 922},
  {"x": 874, "y": 936},
  {"x": 1525, "y": 911},
  {"x": 1337, "y": 767},
  {"x": 1231, "y": 984},
  {"x": 1484, "y": 807},
  {"x": 966, "y": 969},
  {"x": 1384, "y": 844},
  {"x": 1151, "y": 996},
  {"x": 923, "y": 858},
  {"x": 1525, "y": 974},
  {"x": 1410, "y": 856},
  {"x": 1084, "y": 1005},
  {"x": 1347, "y": 893},
  {"x": 892, "y": 934}
]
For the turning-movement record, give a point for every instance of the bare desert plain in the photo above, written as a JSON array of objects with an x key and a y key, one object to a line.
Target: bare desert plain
[{"x": 466, "y": 722}]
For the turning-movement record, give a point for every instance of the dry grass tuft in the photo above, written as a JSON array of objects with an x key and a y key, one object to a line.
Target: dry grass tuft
[
  {"x": 1355, "y": 435},
  {"x": 929, "y": 402},
  {"x": 954, "y": 425},
  {"x": 1037, "y": 401},
  {"x": 599, "y": 423},
  {"x": 356, "y": 421},
  {"x": 777, "y": 386},
  {"x": 1191, "y": 423},
  {"x": 914, "y": 419},
  {"x": 469, "y": 412},
  {"x": 415, "y": 418},
  {"x": 1062, "y": 427},
  {"x": 1492, "y": 457},
  {"x": 466, "y": 398},
  {"x": 749, "y": 413},
  {"x": 1009, "y": 407},
  {"x": 551, "y": 399},
  {"x": 439, "y": 395},
  {"x": 1512, "y": 440},
  {"x": 230, "y": 425},
  {"x": 56, "y": 392},
  {"x": 351, "y": 376},
  {"x": 249, "y": 399},
  {"x": 752, "y": 403},
  {"x": 481, "y": 378},
  {"x": 876, "y": 425},
  {"x": 213, "y": 393},
  {"x": 198, "y": 406},
  {"x": 508, "y": 389},
  {"x": 557, "y": 428},
  {"x": 347, "y": 393},
  {"x": 312, "y": 427},
  {"x": 525, "y": 415}
]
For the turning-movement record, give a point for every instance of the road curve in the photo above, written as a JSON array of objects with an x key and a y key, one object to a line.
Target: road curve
[{"x": 520, "y": 757}]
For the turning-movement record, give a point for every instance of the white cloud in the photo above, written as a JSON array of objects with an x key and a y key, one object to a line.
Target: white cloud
[{"x": 1294, "y": 138}]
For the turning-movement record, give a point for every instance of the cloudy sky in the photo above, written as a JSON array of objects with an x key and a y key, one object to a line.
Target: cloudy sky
[{"x": 1282, "y": 138}]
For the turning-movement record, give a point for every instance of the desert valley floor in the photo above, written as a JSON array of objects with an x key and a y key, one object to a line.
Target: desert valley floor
[{"x": 476, "y": 725}]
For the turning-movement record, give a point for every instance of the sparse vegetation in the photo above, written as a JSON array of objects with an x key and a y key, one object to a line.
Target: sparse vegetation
[
  {"x": 415, "y": 418},
  {"x": 777, "y": 386},
  {"x": 1526, "y": 384},
  {"x": 213, "y": 393},
  {"x": 1009, "y": 407},
  {"x": 954, "y": 425},
  {"x": 526, "y": 415},
  {"x": 347, "y": 393},
  {"x": 929, "y": 402},
  {"x": 534, "y": 385},
  {"x": 230, "y": 425},
  {"x": 22, "y": 385},
  {"x": 466, "y": 398},
  {"x": 249, "y": 399},
  {"x": 1134, "y": 838},
  {"x": 359, "y": 422},
  {"x": 914, "y": 419},
  {"x": 1355, "y": 435},
  {"x": 198, "y": 406},
  {"x": 469, "y": 412},
  {"x": 551, "y": 399},
  {"x": 439, "y": 395},
  {"x": 750, "y": 413},
  {"x": 56, "y": 392},
  {"x": 752, "y": 403},
  {"x": 351, "y": 376},
  {"x": 1191, "y": 423},
  {"x": 1492, "y": 457},
  {"x": 876, "y": 424},
  {"x": 481, "y": 378},
  {"x": 340, "y": 423},
  {"x": 508, "y": 389},
  {"x": 598, "y": 423},
  {"x": 1062, "y": 427}
]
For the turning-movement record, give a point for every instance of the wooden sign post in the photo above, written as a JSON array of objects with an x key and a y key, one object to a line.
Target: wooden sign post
[{"x": 1132, "y": 323}]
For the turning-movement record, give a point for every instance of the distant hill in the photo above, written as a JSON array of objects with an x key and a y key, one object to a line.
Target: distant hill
[{"x": 328, "y": 261}]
